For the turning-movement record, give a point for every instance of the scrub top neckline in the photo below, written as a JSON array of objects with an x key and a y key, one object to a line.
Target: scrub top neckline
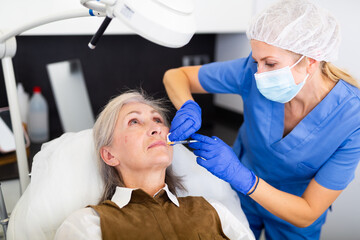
[{"x": 307, "y": 125}]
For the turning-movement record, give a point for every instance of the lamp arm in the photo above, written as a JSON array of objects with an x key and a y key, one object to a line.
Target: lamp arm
[{"x": 48, "y": 19}]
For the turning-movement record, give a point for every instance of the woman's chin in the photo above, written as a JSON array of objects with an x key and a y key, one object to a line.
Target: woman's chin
[{"x": 162, "y": 160}]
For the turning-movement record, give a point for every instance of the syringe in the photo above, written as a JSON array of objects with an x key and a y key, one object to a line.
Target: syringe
[{"x": 182, "y": 142}]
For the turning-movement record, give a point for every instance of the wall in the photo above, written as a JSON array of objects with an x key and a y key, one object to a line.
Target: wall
[
  {"x": 343, "y": 221},
  {"x": 228, "y": 47}
]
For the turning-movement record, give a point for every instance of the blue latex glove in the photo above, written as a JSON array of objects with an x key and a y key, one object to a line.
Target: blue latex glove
[
  {"x": 186, "y": 121},
  {"x": 219, "y": 159}
]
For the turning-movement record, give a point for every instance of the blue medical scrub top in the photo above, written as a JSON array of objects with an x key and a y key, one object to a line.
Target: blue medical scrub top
[{"x": 325, "y": 145}]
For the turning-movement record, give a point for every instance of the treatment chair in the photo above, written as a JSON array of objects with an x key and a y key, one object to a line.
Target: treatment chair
[{"x": 65, "y": 177}]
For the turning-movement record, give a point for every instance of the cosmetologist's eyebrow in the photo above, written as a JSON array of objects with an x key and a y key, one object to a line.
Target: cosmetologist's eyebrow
[{"x": 264, "y": 58}]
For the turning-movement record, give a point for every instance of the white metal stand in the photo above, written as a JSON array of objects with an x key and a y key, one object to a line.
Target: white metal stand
[
  {"x": 7, "y": 52},
  {"x": 10, "y": 85}
]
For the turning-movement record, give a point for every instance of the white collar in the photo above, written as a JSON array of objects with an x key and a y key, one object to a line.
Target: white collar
[{"x": 122, "y": 196}]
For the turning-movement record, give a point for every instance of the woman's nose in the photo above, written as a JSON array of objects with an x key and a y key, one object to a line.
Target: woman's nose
[
  {"x": 155, "y": 130},
  {"x": 259, "y": 69}
]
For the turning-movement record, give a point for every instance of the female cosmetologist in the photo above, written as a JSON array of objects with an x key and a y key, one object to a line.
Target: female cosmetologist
[{"x": 299, "y": 144}]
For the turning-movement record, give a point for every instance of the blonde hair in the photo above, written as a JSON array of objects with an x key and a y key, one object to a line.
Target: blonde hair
[
  {"x": 103, "y": 136},
  {"x": 334, "y": 73}
]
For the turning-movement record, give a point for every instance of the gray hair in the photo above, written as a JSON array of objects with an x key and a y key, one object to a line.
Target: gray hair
[{"x": 103, "y": 136}]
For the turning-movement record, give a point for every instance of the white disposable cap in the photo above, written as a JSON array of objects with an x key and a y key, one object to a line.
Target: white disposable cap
[{"x": 299, "y": 26}]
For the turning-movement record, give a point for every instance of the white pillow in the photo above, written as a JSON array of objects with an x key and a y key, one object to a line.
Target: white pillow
[{"x": 65, "y": 177}]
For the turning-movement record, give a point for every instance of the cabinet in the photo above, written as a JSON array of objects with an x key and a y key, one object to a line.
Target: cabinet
[{"x": 212, "y": 16}]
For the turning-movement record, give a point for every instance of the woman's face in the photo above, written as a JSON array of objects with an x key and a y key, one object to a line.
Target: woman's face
[
  {"x": 139, "y": 140},
  {"x": 271, "y": 58}
]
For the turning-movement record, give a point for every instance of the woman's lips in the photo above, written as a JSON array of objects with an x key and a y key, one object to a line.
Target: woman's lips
[{"x": 157, "y": 144}]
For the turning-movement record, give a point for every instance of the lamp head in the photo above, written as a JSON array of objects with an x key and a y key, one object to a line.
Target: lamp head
[{"x": 169, "y": 23}]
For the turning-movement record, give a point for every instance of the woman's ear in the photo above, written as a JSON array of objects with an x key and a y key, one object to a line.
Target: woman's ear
[
  {"x": 312, "y": 65},
  {"x": 107, "y": 157}
]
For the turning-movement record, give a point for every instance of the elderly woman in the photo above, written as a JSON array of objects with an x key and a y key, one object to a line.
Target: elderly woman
[{"x": 139, "y": 200}]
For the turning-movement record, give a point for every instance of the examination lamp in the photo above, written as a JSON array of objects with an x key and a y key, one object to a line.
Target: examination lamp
[
  {"x": 169, "y": 23},
  {"x": 166, "y": 22}
]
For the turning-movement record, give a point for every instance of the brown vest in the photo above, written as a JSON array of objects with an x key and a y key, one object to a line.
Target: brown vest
[{"x": 147, "y": 217}]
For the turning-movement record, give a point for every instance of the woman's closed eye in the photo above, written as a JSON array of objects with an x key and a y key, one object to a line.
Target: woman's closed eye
[{"x": 270, "y": 64}]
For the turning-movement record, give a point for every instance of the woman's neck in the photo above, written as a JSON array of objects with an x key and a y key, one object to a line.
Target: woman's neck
[
  {"x": 313, "y": 92},
  {"x": 151, "y": 182}
]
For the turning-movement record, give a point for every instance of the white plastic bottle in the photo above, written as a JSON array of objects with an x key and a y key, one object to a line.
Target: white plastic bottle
[{"x": 38, "y": 121}]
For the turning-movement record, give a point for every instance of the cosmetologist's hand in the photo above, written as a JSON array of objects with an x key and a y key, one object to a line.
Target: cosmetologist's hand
[
  {"x": 186, "y": 121},
  {"x": 219, "y": 159}
]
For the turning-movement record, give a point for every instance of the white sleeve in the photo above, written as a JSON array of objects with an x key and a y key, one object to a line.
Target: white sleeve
[
  {"x": 232, "y": 227},
  {"x": 83, "y": 224}
]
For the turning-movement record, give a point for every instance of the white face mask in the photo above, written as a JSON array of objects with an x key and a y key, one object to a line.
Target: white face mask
[{"x": 279, "y": 85}]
